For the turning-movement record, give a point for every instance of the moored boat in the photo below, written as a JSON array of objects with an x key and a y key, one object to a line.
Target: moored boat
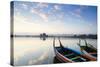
[
  {"x": 88, "y": 51},
  {"x": 66, "y": 54}
]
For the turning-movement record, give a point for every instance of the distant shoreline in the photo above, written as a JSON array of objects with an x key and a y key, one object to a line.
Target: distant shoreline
[{"x": 59, "y": 36}]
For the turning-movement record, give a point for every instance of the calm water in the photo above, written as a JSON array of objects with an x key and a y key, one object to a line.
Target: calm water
[{"x": 28, "y": 51}]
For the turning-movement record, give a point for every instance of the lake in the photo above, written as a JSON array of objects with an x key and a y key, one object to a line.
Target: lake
[{"x": 29, "y": 51}]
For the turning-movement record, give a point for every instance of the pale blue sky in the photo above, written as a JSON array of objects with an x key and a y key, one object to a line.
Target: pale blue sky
[{"x": 32, "y": 17}]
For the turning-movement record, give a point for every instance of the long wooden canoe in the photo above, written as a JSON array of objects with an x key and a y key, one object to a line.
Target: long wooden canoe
[
  {"x": 66, "y": 54},
  {"x": 88, "y": 51}
]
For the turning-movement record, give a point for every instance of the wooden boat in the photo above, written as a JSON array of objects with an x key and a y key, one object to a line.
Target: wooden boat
[
  {"x": 67, "y": 55},
  {"x": 88, "y": 51}
]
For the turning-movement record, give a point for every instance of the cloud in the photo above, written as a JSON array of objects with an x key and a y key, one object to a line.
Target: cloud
[
  {"x": 44, "y": 16},
  {"x": 78, "y": 12},
  {"x": 35, "y": 11},
  {"x": 42, "y": 5},
  {"x": 24, "y": 6},
  {"x": 56, "y": 7},
  {"x": 24, "y": 24},
  {"x": 39, "y": 60}
]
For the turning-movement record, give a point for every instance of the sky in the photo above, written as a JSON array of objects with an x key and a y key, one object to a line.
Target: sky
[{"x": 53, "y": 18}]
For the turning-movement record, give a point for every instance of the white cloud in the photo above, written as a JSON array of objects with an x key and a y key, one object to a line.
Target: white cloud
[
  {"x": 40, "y": 59},
  {"x": 56, "y": 7},
  {"x": 25, "y": 6},
  {"x": 42, "y": 5},
  {"x": 24, "y": 24},
  {"x": 35, "y": 11},
  {"x": 44, "y": 16},
  {"x": 77, "y": 12}
]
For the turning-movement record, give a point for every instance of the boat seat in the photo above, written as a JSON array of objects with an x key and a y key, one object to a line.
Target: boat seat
[
  {"x": 69, "y": 54},
  {"x": 78, "y": 59},
  {"x": 75, "y": 57}
]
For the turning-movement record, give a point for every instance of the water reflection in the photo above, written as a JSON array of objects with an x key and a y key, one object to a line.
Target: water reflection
[{"x": 29, "y": 51}]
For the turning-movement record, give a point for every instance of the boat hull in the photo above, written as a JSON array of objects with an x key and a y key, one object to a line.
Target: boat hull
[
  {"x": 62, "y": 58},
  {"x": 89, "y": 56}
]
